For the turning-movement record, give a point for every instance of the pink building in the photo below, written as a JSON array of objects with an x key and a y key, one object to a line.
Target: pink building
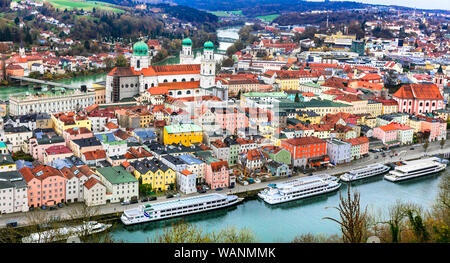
[
  {"x": 419, "y": 98},
  {"x": 217, "y": 174},
  {"x": 394, "y": 133},
  {"x": 56, "y": 152},
  {"x": 81, "y": 146},
  {"x": 231, "y": 119},
  {"x": 76, "y": 133},
  {"x": 46, "y": 186},
  {"x": 38, "y": 147},
  {"x": 435, "y": 129}
]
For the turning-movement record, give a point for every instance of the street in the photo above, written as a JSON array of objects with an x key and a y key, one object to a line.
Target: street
[{"x": 405, "y": 153}]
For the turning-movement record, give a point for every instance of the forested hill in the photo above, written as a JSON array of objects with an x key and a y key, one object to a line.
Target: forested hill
[{"x": 254, "y": 8}]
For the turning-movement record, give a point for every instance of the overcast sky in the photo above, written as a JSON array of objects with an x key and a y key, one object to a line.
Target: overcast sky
[{"x": 422, "y": 4}]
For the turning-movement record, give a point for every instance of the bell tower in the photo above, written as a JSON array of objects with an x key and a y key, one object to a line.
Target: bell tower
[
  {"x": 208, "y": 66},
  {"x": 186, "y": 55}
]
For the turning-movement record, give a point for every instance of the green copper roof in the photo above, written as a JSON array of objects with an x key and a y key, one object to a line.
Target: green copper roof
[
  {"x": 208, "y": 45},
  {"x": 178, "y": 128},
  {"x": 140, "y": 49},
  {"x": 116, "y": 175},
  {"x": 186, "y": 42}
]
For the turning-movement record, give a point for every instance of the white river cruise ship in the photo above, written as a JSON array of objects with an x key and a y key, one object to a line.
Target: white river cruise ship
[
  {"x": 179, "y": 207},
  {"x": 364, "y": 172},
  {"x": 299, "y": 188},
  {"x": 416, "y": 168}
]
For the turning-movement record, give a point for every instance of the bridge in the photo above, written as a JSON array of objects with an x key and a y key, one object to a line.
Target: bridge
[
  {"x": 226, "y": 39},
  {"x": 220, "y": 52},
  {"x": 43, "y": 82}
]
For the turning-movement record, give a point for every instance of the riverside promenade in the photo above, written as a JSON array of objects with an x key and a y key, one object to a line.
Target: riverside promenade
[{"x": 404, "y": 153}]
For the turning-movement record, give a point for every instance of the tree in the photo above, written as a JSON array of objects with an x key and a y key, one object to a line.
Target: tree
[
  {"x": 352, "y": 220},
  {"x": 442, "y": 143},
  {"x": 418, "y": 226},
  {"x": 121, "y": 61},
  {"x": 87, "y": 44},
  {"x": 17, "y": 20},
  {"x": 425, "y": 145},
  {"x": 228, "y": 62},
  {"x": 181, "y": 232}
]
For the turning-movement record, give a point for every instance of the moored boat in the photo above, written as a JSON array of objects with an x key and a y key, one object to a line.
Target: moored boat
[
  {"x": 299, "y": 188},
  {"x": 180, "y": 207},
  {"x": 364, "y": 172},
  {"x": 416, "y": 168}
]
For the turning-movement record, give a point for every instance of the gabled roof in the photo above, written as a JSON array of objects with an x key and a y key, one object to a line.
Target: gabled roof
[{"x": 419, "y": 91}]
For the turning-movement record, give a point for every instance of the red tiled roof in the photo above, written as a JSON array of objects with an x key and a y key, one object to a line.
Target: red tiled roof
[
  {"x": 394, "y": 126},
  {"x": 216, "y": 166},
  {"x": 419, "y": 91},
  {"x": 91, "y": 182},
  {"x": 304, "y": 141}
]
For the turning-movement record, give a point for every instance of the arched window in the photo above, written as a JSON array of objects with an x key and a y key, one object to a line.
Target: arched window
[
  {"x": 138, "y": 64},
  {"x": 183, "y": 80},
  {"x": 179, "y": 92},
  {"x": 188, "y": 92},
  {"x": 170, "y": 93},
  {"x": 165, "y": 81},
  {"x": 146, "y": 86},
  {"x": 174, "y": 80},
  {"x": 153, "y": 84},
  {"x": 192, "y": 79},
  {"x": 126, "y": 85},
  {"x": 132, "y": 85}
]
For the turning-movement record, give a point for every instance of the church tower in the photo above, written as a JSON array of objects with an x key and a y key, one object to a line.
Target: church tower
[
  {"x": 439, "y": 79},
  {"x": 140, "y": 58},
  {"x": 186, "y": 55},
  {"x": 208, "y": 66}
]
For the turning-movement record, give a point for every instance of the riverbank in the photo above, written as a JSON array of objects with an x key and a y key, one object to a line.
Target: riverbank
[{"x": 107, "y": 211}]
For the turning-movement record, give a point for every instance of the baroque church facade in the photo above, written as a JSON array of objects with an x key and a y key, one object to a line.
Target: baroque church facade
[{"x": 128, "y": 82}]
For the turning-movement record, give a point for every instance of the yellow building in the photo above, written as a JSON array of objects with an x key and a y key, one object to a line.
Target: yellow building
[
  {"x": 100, "y": 93},
  {"x": 374, "y": 108},
  {"x": 64, "y": 121},
  {"x": 185, "y": 134},
  {"x": 157, "y": 174},
  {"x": 309, "y": 117}
]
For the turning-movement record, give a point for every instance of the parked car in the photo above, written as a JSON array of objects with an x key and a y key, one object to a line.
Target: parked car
[
  {"x": 202, "y": 191},
  {"x": 153, "y": 198},
  {"x": 52, "y": 208},
  {"x": 134, "y": 201},
  {"x": 257, "y": 181},
  {"x": 206, "y": 187},
  {"x": 270, "y": 185},
  {"x": 43, "y": 207},
  {"x": 145, "y": 199},
  {"x": 11, "y": 224},
  {"x": 411, "y": 149},
  {"x": 60, "y": 205},
  {"x": 219, "y": 189},
  {"x": 178, "y": 195},
  {"x": 169, "y": 196},
  {"x": 231, "y": 186},
  {"x": 125, "y": 203}
]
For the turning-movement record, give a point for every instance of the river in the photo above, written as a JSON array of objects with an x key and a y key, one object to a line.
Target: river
[
  {"x": 281, "y": 223},
  {"x": 229, "y": 32},
  {"x": 7, "y": 91}
]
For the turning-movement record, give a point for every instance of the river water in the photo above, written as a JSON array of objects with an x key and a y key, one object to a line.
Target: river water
[
  {"x": 230, "y": 32},
  {"x": 281, "y": 223}
]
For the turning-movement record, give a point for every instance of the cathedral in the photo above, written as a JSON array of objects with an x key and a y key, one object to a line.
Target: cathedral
[{"x": 127, "y": 82}]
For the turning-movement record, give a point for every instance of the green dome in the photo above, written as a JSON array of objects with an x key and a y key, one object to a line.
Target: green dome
[
  {"x": 208, "y": 45},
  {"x": 140, "y": 49},
  {"x": 186, "y": 42}
]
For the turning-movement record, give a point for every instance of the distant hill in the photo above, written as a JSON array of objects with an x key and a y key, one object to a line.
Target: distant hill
[{"x": 253, "y": 8}]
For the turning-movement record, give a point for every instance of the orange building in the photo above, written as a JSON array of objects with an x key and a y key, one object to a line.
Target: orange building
[{"x": 306, "y": 151}]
